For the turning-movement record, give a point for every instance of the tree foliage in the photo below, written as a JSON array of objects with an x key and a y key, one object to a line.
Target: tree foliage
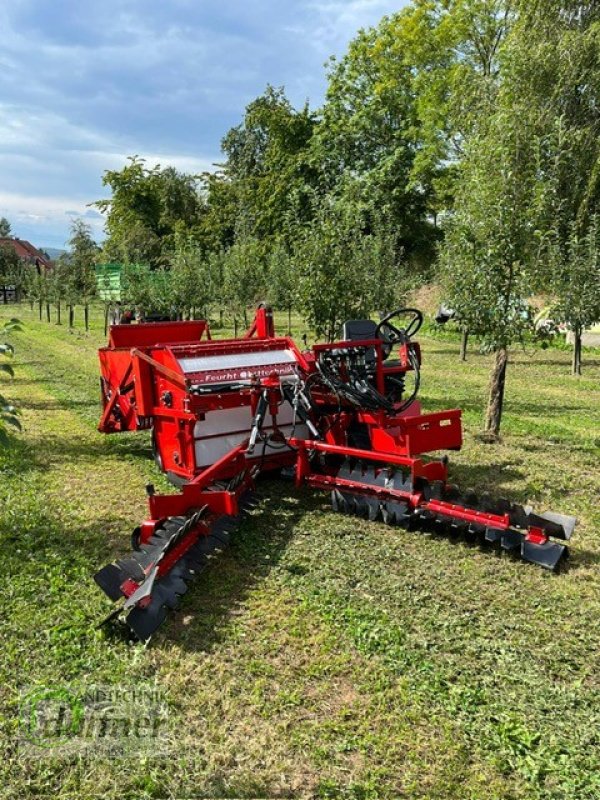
[
  {"x": 12, "y": 269},
  {"x": 81, "y": 260},
  {"x": 146, "y": 210},
  {"x": 192, "y": 281},
  {"x": 267, "y": 164},
  {"x": 244, "y": 276},
  {"x": 553, "y": 69},
  {"x": 487, "y": 253},
  {"x": 5, "y": 228},
  {"x": 339, "y": 270}
]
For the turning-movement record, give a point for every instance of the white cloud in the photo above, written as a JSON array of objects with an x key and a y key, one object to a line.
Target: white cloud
[
  {"x": 337, "y": 21},
  {"x": 83, "y": 85},
  {"x": 35, "y": 217}
]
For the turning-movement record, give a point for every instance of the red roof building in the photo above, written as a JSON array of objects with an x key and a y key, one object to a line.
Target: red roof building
[{"x": 26, "y": 251}]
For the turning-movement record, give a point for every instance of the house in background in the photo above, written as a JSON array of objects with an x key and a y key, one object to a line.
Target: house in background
[{"x": 28, "y": 254}]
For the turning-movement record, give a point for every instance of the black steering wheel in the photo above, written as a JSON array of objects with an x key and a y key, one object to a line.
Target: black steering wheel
[{"x": 391, "y": 335}]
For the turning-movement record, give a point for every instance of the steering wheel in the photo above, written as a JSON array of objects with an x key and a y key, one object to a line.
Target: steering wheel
[{"x": 391, "y": 335}]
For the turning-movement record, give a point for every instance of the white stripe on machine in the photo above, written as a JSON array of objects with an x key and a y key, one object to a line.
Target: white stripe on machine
[{"x": 262, "y": 358}]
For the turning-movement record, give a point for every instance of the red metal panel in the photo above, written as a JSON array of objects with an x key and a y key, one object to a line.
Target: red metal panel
[
  {"x": 151, "y": 334},
  {"x": 413, "y": 435}
]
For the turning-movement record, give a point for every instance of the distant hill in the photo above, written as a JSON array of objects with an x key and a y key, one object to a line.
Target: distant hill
[{"x": 53, "y": 252}]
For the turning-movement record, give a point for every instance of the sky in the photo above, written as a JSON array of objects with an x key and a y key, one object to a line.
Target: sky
[{"x": 85, "y": 83}]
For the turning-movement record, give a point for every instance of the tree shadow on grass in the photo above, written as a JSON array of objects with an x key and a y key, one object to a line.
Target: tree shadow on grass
[
  {"x": 56, "y": 448},
  {"x": 21, "y": 458},
  {"x": 25, "y": 380},
  {"x": 25, "y": 457},
  {"x": 590, "y": 363},
  {"x": 513, "y": 406},
  {"x": 58, "y": 404}
]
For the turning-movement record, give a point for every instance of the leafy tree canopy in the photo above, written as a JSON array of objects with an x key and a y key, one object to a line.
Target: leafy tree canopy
[
  {"x": 5, "y": 228},
  {"x": 147, "y": 208}
]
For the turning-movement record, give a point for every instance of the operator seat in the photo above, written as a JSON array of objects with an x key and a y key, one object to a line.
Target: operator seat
[{"x": 355, "y": 330}]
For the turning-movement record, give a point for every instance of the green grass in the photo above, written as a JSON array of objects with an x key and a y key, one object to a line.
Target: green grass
[{"x": 320, "y": 656}]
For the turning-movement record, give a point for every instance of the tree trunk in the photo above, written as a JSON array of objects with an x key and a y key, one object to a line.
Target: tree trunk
[
  {"x": 576, "y": 362},
  {"x": 31, "y": 305},
  {"x": 290, "y": 320},
  {"x": 71, "y": 316},
  {"x": 106, "y": 311},
  {"x": 47, "y": 312},
  {"x": 463, "y": 344},
  {"x": 245, "y": 318},
  {"x": 41, "y": 309},
  {"x": 86, "y": 316},
  {"x": 235, "y": 328},
  {"x": 58, "y": 322},
  {"x": 493, "y": 416},
  {"x": 221, "y": 318}
]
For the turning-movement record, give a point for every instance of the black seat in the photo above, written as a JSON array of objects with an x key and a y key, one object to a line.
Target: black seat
[{"x": 357, "y": 329}]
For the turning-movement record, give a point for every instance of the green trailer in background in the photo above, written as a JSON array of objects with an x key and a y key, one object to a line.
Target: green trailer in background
[{"x": 108, "y": 280}]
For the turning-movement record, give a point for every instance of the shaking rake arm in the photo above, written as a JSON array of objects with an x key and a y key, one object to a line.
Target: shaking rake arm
[{"x": 337, "y": 416}]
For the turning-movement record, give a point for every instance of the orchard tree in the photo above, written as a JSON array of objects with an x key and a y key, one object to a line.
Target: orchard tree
[
  {"x": 334, "y": 261},
  {"x": 40, "y": 288},
  {"x": 400, "y": 106},
  {"x": 11, "y": 268},
  {"x": 365, "y": 144},
  {"x": 390, "y": 278},
  {"x": 575, "y": 270},
  {"x": 71, "y": 293},
  {"x": 147, "y": 207},
  {"x": 282, "y": 289},
  {"x": 136, "y": 286},
  {"x": 267, "y": 166},
  {"x": 59, "y": 279},
  {"x": 162, "y": 300},
  {"x": 81, "y": 261},
  {"x": 245, "y": 278},
  {"x": 217, "y": 224},
  {"x": 487, "y": 252},
  {"x": 191, "y": 277},
  {"x": 553, "y": 71},
  {"x": 149, "y": 291},
  {"x": 33, "y": 289}
]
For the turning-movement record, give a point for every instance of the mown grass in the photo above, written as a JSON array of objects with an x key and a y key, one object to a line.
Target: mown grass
[{"x": 320, "y": 656}]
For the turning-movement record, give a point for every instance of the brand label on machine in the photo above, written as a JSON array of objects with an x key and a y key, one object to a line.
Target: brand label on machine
[{"x": 238, "y": 366}]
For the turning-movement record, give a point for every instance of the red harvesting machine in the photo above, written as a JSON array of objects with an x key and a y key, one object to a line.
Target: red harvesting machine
[{"x": 337, "y": 417}]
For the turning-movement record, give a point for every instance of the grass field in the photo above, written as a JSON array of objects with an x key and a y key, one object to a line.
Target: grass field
[{"x": 320, "y": 656}]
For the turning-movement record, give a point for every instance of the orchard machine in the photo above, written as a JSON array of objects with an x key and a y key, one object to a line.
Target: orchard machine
[{"x": 341, "y": 418}]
